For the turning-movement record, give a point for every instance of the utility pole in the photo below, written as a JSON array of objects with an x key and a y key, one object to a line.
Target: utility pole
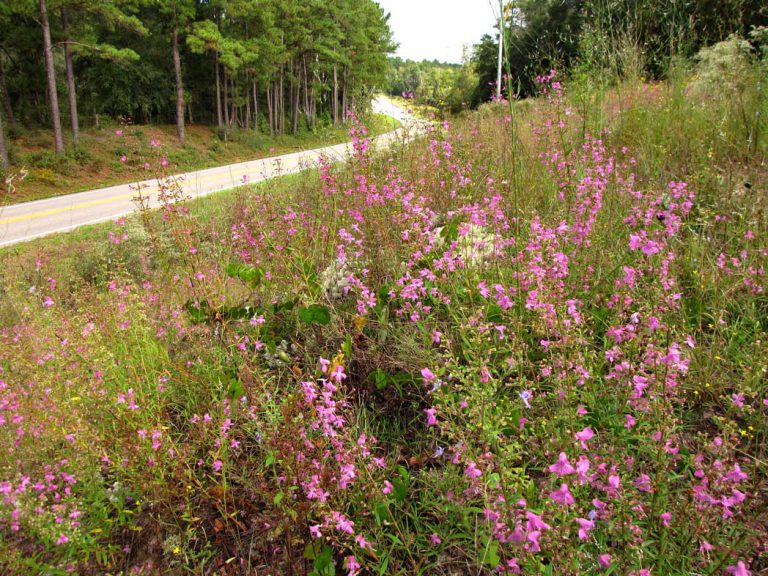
[{"x": 501, "y": 49}]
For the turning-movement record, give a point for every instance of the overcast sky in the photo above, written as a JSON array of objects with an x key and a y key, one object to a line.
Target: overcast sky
[{"x": 437, "y": 29}]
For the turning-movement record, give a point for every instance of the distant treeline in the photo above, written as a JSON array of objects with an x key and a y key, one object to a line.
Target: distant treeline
[
  {"x": 591, "y": 37},
  {"x": 274, "y": 65},
  {"x": 433, "y": 83},
  {"x": 621, "y": 36}
]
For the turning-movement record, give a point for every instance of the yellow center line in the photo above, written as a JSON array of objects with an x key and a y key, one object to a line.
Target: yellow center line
[{"x": 152, "y": 189}]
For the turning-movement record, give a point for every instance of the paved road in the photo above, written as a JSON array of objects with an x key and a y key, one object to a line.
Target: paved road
[{"x": 22, "y": 222}]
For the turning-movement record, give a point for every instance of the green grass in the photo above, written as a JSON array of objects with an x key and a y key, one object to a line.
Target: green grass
[{"x": 226, "y": 323}]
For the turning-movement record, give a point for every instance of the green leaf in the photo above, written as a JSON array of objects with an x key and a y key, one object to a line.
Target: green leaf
[
  {"x": 245, "y": 272},
  {"x": 450, "y": 231},
  {"x": 236, "y": 389},
  {"x": 494, "y": 314},
  {"x": 198, "y": 312},
  {"x": 491, "y": 557},
  {"x": 283, "y": 306},
  {"x": 323, "y": 565},
  {"x": 400, "y": 485},
  {"x": 381, "y": 512},
  {"x": 346, "y": 347},
  {"x": 315, "y": 313},
  {"x": 278, "y": 498},
  {"x": 381, "y": 378}
]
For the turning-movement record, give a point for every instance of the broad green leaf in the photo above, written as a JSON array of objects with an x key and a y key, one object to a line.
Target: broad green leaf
[{"x": 315, "y": 314}]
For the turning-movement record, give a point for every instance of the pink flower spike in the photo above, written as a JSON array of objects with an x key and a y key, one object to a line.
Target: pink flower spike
[
  {"x": 739, "y": 569},
  {"x": 585, "y": 526},
  {"x": 584, "y": 435},
  {"x": 562, "y": 467},
  {"x": 563, "y": 495},
  {"x": 472, "y": 471},
  {"x": 666, "y": 517},
  {"x": 604, "y": 560},
  {"x": 62, "y": 540},
  {"x": 535, "y": 522},
  {"x": 427, "y": 374},
  {"x": 431, "y": 418},
  {"x": 352, "y": 566},
  {"x": 315, "y": 531},
  {"x": 435, "y": 539}
]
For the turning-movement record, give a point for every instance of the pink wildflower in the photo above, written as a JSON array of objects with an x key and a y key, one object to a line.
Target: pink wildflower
[
  {"x": 472, "y": 471},
  {"x": 739, "y": 569},
  {"x": 562, "y": 495},
  {"x": 585, "y": 526},
  {"x": 562, "y": 467},
  {"x": 584, "y": 435}
]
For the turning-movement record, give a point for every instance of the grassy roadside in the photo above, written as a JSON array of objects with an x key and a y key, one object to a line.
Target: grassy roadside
[
  {"x": 84, "y": 240},
  {"x": 116, "y": 154},
  {"x": 525, "y": 343}
]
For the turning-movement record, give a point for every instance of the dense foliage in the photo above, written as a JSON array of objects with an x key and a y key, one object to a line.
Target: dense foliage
[
  {"x": 532, "y": 342},
  {"x": 446, "y": 87},
  {"x": 273, "y": 65},
  {"x": 618, "y": 37}
]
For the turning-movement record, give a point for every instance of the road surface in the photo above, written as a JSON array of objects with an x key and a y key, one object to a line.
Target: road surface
[{"x": 22, "y": 222}]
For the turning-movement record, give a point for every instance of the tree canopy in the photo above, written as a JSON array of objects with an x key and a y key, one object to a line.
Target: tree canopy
[{"x": 274, "y": 65}]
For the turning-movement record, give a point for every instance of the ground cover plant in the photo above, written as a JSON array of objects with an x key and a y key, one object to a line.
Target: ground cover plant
[{"x": 532, "y": 342}]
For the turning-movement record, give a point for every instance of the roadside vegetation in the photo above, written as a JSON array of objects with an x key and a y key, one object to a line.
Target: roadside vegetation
[
  {"x": 119, "y": 154},
  {"x": 250, "y": 72},
  {"x": 533, "y": 342}
]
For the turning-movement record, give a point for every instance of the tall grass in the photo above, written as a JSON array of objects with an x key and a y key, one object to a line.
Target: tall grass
[{"x": 532, "y": 342}]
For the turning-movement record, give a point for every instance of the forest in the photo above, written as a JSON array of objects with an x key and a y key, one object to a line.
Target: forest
[
  {"x": 576, "y": 37},
  {"x": 270, "y": 65}
]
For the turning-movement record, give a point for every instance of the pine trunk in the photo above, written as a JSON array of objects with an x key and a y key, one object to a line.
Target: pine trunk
[
  {"x": 219, "y": 115},
  {"x": 70, "y": 68},
  {"x": 3, "y": 147},
  {"x": 307, "y": 115},
  {"x": 294, "y": 99},
  {"x": 281, "y": 100},
  {"x": 335, "y": 95},
  {"x": 7, "y": 99},
  {"x": 247, "y": 108},
  {"x": 179, "y": 86},
  {"x": 270, "y": 111},
  {"x": 255, "y": 107},
  {"x": 226, "y": 100},
  {"x": 50, "y": 72},
  {"x": 344, "y": 97}
]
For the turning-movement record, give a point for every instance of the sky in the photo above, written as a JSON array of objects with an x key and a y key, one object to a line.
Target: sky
[{"x": 438, "y": 29}]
